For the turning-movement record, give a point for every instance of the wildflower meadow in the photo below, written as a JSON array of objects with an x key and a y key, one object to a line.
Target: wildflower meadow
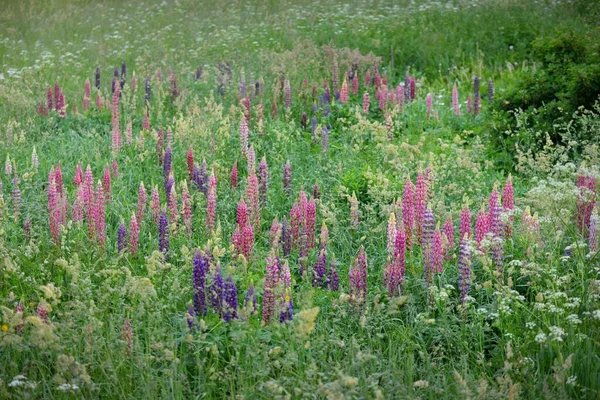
[{"x": 299, "y": 199}]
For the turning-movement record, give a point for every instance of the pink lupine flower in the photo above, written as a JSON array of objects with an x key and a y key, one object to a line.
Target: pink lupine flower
[
  {"x": 146, "y": 121},
  {"x": 288, "y": 94},
  {"x": 358, "y": 277},
  {"x": 116, "y": 130},
  {"x": 586, "y": 198},
  {"x": 355, "y": 84},
  {"x": 391, "y": 234},
  {"x": 129, "y": 132},
  {"x": 252, "y": 197},
  {"x": 437, "y": 252},
  {"x": 413, "y": 88},
  {"x": 368, "y": 78},
  {"x": 271, "y": 281},
  {"x": 311, "y": 222},
  {"x": 99, "y": 102},
  {"x": 87, "y": 95},
  {"x": 247, "y": 108},
  {"x": 59, "y": 179},
  {"x": 88, "y": 198},
  {"x": 508, "y": 203},
  {"x": 455, "y": 103},
  {"x": 77, "y": 211},
  {"x": 154, "y": 205},
  {"x": 106, "y": 184},
  {"x": 99, "y": 215},
  {"x": 53, "y": 210},
  {"x": 344, "y": 92},
  {"x": 190, "y": 164},
  {"x": 400, "y": 97},
  {"x": 481, "y": 227},
  {"x": 287, "y": 178},
  {"x": 366, "y": 102},
  {"x": 263, "y": 180},
  {"x": 242, "y": 213},
  {"x": 247, "y": 240},
  {"x": 211, "y": 205},
  {"x": 335, "y": 76},
  {"x": 78, "y": 180},
  {"x": 427, "y": 241},
  {"x": 275, "y": 233},
  {"x": 420, "y": 204},
  {"x": 141, "y": 204},
  {"x": 186, "y": 204},
  {"x": 296, "y": 222},
  {"x": 233, "y": 177},
  {"x": 49, "y": 98},
  {"x": 244, "y": 133},
  {"x": 251, "y": 161},
  {"x": 173, "y": 207},
  {"x": 429, "y": 101},
  {"x": 449, "y": 234},
  {"x": 465, "y": 222},
  {"x": 354, "y": 211},
  {"x": 408, "y": 211}
]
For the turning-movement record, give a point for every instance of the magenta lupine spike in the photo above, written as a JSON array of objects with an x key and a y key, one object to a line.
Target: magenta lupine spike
[
  {"x": 494, "y": 200},
  {"x": 427, "y": 240},
  {"x": 78, "y": 180},
  {"x": 394, "y": 271},
  {"x": 211, "y": 205},
  {"x": 413, "y": 88},
  {"x": 190, "y": 164},
  {"x": 87, "y": 95},
  {"x": 288, "y": 94},
  {"x": 58, "y": 176},
  {"x": 247, "y": 108},
  {"x": 586, "y": 198},
  {"x": 449, "y": 233},
  {"x": 455, "y": 103},
  {"x": 303, "y": 204},
  {"x": 391, "y": 234},
  {"x": 311, "y": 222},
  {"x": 251, "y": 161},
  {"x": 186, "y": 204},
  {"x": 324, "y": 139},
  {"x": 355, "y": 83},
  {"x": 233, "y": 177},
  {"x": 344, "y": 92},
  {"x": 244, "y": 134},
  {"x": 366, "y": 102},
  {"x": 408, "y": 211},
  {"x": 263, "y": 181},
  {"x": 134, "y": 230},
  {"x": 287, "y": 178},
  {"x": 400, "y": 251},
  {"x": 146, "y": 121},
  {"x": 481, "y": 227},
  {"x": 141, "y": 204},
  {"x": 57, "y": 93},
  {"x": 594, "y": 227},
  {"x": 429, "y": 101},
  {"x": 236, "y": 240},
  {"x": 381, "y": 97},
  {"x": 129, "y": 132},
  {"x": 465, "y": 222},
  {"x": 275, "y": 233},
  {"x": 252, "y": 199},
  {"x": 247, "y": 240},
  {"x": 296, "y": 222},
  {"x": 271, "y": 281},
  {"x": 242, "y": 213},
  {"x": 400, "y": 97},
  {"x": 77, "y": 210},
  {"x": 437, "y": 252},
  {"x": 319, "y": 270},
  {"x": 53, "y": 211},
  {"x": 353, "y": 211},
  {"x": 163, "y": 233},
  {"x": 99, "y": 102},
  {"x": 16, "y": 198},
  {"x": 99, "y": 214},
  {"x": 358, "y": 277},
  {"x": 88, "y": 199},
  {"x": 464, "y": 269},
  {"x": 154, "y": 205},
  {"x": 368, "y": 78},
  {"x": 420, "y": 204},
  {"x": 508, "y": 204},
  {"x": 106, "y": 184},
  {"x": 116, "y": 130},
  {"x": 121, "y": 238},
  {"x": 49, "y": 98}
]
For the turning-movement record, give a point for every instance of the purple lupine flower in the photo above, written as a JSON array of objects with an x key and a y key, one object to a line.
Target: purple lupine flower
[
  {"x": 286, "y": 237},
  {"x": 333, "y": 279},
  {"x": 313, "y": 125},
  {"x": 121, "y": 238},
  {"x": 263, "y": 181},
  {"x": 413, "y": 88},
  {"x": 216, "y": 292},
  {"x": 324, "y": 139},
  {"x": 287, "y": 178},
  {"x": 250, "y": 299},
  {"x": 169, "y": 183},
  {"x": 464, "y": 269},
  {"x": 190, "y": 318},
  {"x": 200, "y": 270},
  {"x": 320, "y": 269},
  {"x": 287, "y": 309},
  {"x": 230, "y": 303},
  {"x": 163, "y": 233},
  {"x": 203, "y": 178},
  {"x": 167, "y": 162}
]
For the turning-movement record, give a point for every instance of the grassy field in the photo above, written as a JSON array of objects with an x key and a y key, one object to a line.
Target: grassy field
[{"x": 223, "y": 211}]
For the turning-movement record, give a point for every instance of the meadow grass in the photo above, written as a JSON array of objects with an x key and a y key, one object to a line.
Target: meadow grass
[{"x": 79, "y": 319}]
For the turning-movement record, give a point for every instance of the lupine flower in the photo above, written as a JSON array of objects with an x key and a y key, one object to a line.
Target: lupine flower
[
  {"x": 437, "y": 252},
  {"x": 271, "y": 281},
  {"x": 476, "y": 96},
  {"x": 99, "y": 102},
  {"x": 78, "y": 179},
  {"x": 323, "y": 237},
  {"x": 59, "y": 179},
  {"x": 88, "y": 200},
  {"x": 129, "y": 132},
  {"x": 190, "y": 164},
  {"x": 304, "y": 121},
  {"x": 358, "y": 277},
  {"x": 311, "y": 222},
  {"x": 496, "y": 227},
  {"x": 508, "y": 204},
  {"x": 324, "y": 139},
  {"x": 286, "y": 237},
  {"x": 189, "y": 317},
  {"x": 465, "y": 222},
  {"x": 464, "y": 269},
  {"x": 211, "y": 205},
  {"x": 173, "y": 207},
  {"x": 163, "y": 233},
  {"x": 16, "y": 198},
  {"x": 169, "y": 183},
  {"x": 252, "y": 199},
  {"x": 366, "y": 102},
  {"x": 320, "y": 269},
  {"x": 594, "y": 227},
  {"x": 146, "y": 121},
  {"x": 333, "y": 278},
  {"x": 42, "y": 311},
  {"x": 250, "y": 299},
  {"x": 344, "y": 92},
  {"x": 154, "y": 205},
  {"x": 247, "y": 108},
  {"x": 200, "y": 270},
  {"x": 427, "y": 240},
  {"x": 455, "y": 103},
  {"x": 275, "y": 233},
  {"x": 408, "y": 211},
  {"x": 287, "y": 308},
  {"x": 470, "y": 109},
  {"x": 87, "y": 95},
  {"x": 247, "y": 240},
  {"x": 586, "y": 198},
  {"x": 99, "y": 214},
  {"x": 167, "y": 162},
  {"x": 216, "y": 292},
  {"x": 391, "y": 233},
  {"x": 288, "y": 94},
  {"x": 316, "y": 192},
  {"x": 449, "y": 234},
  {"x": 285, "y": 275},
  {"x": 354, "y": 211},
  {"x": 420, "y": 201},
  {"x": 148, "y": 90},
  {"x": 114, "y": 168},
  {"x": 263, "y": 179},
  {"x": 57, "y": 93},
  {"x": 481, "y": 227},
  {"x": 233, "y": 177},
  {"x": 355, "y": 84},
  {"x": 230, "y": 303},
  {"x": 105, "y": 183},
  {"x": 134, "y": 230},
  {"x": 8, "y": 166},
  {"x": 121, "y": 238},
  {"x": 251, "y": 161},
  {"x": 244, "y": 133},
  {"x": 296, "y": 223},
  {"x": 116, "y": 130},
  {"x": 287, "y": 178},
  {"x": 413, "y": 88},
  {"x": 49, "y": 99}
]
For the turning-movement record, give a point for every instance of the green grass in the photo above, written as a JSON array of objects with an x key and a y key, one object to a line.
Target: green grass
[{"x": 530, "y": 332}]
